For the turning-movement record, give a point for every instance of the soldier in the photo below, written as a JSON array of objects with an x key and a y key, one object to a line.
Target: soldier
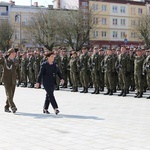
[
  {"x": 94, "y": 64},
  {"x": 23, "y": 65},
  {"x": 36, "y": 65},
  {"x": 138, "y": 76},
  {"x": 18, "y": 58},
  {"x": 146, "y": 69},
  {"x": 57, "y": 60},
  {"x": 30, "y": 67},
  {"x": 101, "y": 73},
  {"x": 109, "y": 68},
  {"x": 10, "y": 66},
  {"x": 74, "y": 71},
  {"x": 83, "y": 67},
  {"x": 64, "y": 66},
  {"x": 123, "y": 65},
  {"x": 1, "y": 69}
]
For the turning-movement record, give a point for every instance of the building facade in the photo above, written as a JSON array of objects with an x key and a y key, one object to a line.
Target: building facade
[{"x": 115, "y": 22}]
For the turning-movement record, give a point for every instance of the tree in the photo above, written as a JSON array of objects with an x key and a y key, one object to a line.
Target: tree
[
  {"x": 74, "y": 28},
  {"x": 6, "y": 33},
  {"x": 143, "y": 29},
  {"x": 42, "y": 28}
]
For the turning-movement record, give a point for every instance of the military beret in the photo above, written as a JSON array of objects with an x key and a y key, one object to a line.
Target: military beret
[{"x": 11, "y": 50}]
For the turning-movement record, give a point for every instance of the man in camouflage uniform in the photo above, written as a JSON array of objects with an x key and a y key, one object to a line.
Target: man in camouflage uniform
[
  {"x": 138, "y": 73},
  {"x": 36, "y": 65},
  {"x": 83, "y": 67},
  {"x": 30, "y": 67},
  {"x": 57, "y": 60},
  {"x": 101, "y": 72},
  {"x": 1, "y": 69},
  {"x": 146, "y": 69},
  {"x": 123, "y": 65},
  {"x": 74, "y": 71},
  {"x": 64, "y": 66},
  {"x": 94, "y": 64},
  {"x": 108, "y": 66},
  {"x": 23, "y": 68}
]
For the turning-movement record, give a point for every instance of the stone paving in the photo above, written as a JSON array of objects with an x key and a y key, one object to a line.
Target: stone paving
[{"x": 85, "y": 122}]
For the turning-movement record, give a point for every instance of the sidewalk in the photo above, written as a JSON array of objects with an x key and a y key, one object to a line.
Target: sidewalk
[{"x": 85, "y": 122}]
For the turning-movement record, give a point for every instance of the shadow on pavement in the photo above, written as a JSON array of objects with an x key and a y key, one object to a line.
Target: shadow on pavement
[{"x": 43, "y": 116}]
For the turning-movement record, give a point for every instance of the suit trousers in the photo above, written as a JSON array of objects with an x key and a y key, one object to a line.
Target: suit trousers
[{"x": 50, "y": 99}]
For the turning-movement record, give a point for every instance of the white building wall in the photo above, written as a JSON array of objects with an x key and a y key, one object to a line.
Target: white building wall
[{"x": 67, "y": 4}]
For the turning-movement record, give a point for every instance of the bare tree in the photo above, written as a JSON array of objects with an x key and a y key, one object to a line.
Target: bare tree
[
  {"x": 42, "y": 28},
  {"x": 6, "y": 33},
  {"x": 74, "y": 28},
  {"x": 143, "y": 29}
]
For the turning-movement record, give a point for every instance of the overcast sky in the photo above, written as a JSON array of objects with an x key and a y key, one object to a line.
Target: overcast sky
[{"x": 28, "y": 2}]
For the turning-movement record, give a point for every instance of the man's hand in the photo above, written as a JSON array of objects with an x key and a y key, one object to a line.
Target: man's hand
[{"x": 37, "y": 85}]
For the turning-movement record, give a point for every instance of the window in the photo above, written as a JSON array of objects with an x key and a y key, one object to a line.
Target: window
[
  {"x": 115, "y": 9},
  {"x": 4, "y": 10},
  {"x": 24, "y": 21},
  {"x": 95, "y": 6},
  {"x": 115, "y": 34},
  {"x": 84, "y": 4},
  {"x": 95, "y": 20},
  {"x": 133, "y": 35},
  {"x": 132, "y": 22},
  {"x": 149, "y": 10},
  {"x": 17, "y": 35},
  {"x": 104, "y": 34},
  {"x": 84, "y": 10},
  {"x": 122, "y": 9},
  {"x": 122, "y": 35},
  {"x": 95, "y": 34},
  {"x": 123, "y": 22},
  {"x": 133, "y": 11},
  {"x": 103, "y": 21},
  {"x": 115, "y": 21},
  {"x": 139, "y": 10},
  {"x": 104, "y": 8}
]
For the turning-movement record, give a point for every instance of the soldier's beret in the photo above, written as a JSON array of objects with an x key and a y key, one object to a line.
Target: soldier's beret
[{"x": 11, "y": 50}]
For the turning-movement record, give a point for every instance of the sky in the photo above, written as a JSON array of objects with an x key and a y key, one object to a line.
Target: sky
[{"x": 28, "y": 2}]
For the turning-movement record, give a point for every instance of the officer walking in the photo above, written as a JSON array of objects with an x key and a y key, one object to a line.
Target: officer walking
[{"x": 10, "y": 66}]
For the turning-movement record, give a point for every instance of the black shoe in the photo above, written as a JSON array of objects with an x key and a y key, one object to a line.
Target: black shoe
[
  {"x": 7, "y": 110},
  {"x": 46, "y": 111},
  {"x": 14, "y": 109},
  {"x": 148, "y": 97},
  {"x": 57, "y": 112}
]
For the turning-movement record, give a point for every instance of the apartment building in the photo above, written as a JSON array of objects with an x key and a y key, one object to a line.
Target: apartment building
[{"x": 116, "y": 20}]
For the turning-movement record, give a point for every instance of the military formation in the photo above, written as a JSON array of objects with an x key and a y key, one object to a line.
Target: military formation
[{"x": 120, "y": 69}]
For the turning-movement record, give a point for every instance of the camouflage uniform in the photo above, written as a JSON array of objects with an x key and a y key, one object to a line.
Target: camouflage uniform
[
  {"x": 146, "y": 69},
  {"x": 138, "y": 76},
  {"x": 94, "y": 64}
]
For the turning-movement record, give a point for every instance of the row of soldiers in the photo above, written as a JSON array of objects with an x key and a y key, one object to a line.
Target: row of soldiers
[{"x": 121, "y": 68}]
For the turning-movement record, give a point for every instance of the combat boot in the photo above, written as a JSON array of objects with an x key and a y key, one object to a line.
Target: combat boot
[
  {"x": 124, "y": 93},
  {"x": 137, "y": 94},
  {"x": 111, "y": 92},
  {"x": 107, "y": 93},
  {"x": 76, "y": 89},
  {"x": 148, "y": 97},
  {"x": 140, "y": 95},
  {"x": 121, "y": 93},
  {"x": 97, "y": 91},
  {"x": 83, "y": 90},
  {"x": 94, "y": 91},
  {"x": 73, "y": 89},
  {"x": 86, "y": 90}
]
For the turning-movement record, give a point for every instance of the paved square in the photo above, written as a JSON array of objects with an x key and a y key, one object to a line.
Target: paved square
[{"x": 85, "y": 122}]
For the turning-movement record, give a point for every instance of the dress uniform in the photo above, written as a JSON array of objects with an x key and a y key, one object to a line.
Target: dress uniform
[{"x": 10, "y": 66}]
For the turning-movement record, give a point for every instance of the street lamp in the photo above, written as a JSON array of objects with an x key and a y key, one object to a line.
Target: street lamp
[{"x": 18, "y": 18}]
